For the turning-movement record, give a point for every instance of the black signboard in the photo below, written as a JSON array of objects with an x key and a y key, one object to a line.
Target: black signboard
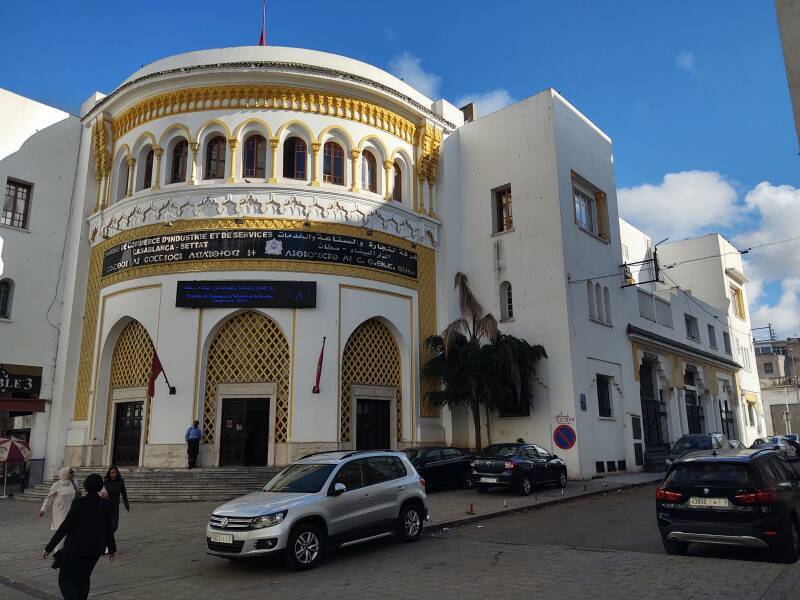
[
  {"x": 19, "y": 386},
  {"x": 259, "y": 244},
  {"x": 246, "y": 294}
]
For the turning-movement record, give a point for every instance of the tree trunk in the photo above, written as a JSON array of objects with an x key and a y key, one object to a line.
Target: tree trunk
[
  {"x": 488, "y": 428},
  {"x": 476, "y": 420}
]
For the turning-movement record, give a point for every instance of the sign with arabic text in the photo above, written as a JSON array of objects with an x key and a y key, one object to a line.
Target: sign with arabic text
[{"x": 261, "y": 244}]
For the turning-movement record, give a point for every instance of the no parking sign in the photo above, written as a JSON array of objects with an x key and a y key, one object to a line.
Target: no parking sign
[{"x": 564, "y": 436}]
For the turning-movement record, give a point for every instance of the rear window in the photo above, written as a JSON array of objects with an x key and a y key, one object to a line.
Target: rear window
[
  {"x": 700, "y": 442},
  {"x": 707, "y": 473},
  {"x": 500, "y": 450}
]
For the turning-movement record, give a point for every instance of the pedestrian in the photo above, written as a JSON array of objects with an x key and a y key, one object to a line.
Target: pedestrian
[
  {"x": 61, "y": 495},
  {"x": 193, "y": 436},
  {"x": 88, "y": 533},
  {"x": 115, "y": 488}
]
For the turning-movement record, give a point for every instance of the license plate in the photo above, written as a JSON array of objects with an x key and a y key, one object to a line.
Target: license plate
[
  {"x": 221, "y": 538},
  {"x": 714, "y": 502},
  {"x": 488, "y": 479}
]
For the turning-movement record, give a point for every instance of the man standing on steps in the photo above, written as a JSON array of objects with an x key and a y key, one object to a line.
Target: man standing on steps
[{"x": 193, "y": 436}]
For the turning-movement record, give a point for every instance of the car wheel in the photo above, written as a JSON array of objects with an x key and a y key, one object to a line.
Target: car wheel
[
  {"x": 482, "y": 489},
  {"x": 305, "y": 546},
  {"x": 791, "y": 549},
  {"x": 468, "y": 483},
  {"x": 410, "y": 526},
  {"x": 525, "y": 486},
  {"x": 562, "y": 479},
  {"x": 674, "y": 547}
]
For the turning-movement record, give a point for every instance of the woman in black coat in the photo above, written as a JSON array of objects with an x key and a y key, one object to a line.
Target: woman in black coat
[
  {"x": 87, "y": 528},
  {"x": 115, "y": 488}
]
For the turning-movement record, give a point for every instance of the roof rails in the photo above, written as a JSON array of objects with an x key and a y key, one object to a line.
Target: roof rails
[{"x": 348, "y": 455}]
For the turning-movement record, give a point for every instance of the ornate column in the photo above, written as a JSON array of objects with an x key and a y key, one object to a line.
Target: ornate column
[
  {"x": 193, "y": 146},
  {"x": 273, "y": 143},
  {"x": 131, "y": 163},
  {"x": 156, "y": 182},
  {"x": 432, "y": 207},
  {"x": 354, "y": 156},
  {"x": 232, "y": 143},
  {"x": 387, "y": 173},
  {"x": 421, "y": 186},
  {"x": 315, "y": 146}
]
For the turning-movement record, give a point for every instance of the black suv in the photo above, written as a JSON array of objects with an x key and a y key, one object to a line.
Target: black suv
[
  {"x": 748, "y": 498},
  {"x": 518, "y": 466}
]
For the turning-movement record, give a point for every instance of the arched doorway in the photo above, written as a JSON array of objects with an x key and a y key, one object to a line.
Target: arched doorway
[
  {"x": 249, "y": 350},
  {"x": 131, "y": 361},
  {"x": 371, "y": 359}
]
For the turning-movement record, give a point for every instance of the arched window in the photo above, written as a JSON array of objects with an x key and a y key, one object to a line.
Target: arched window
[
  {"x": 122, "y": 179},
  {"x": 147, "y": 182},
  {"x": 369, "y": 172},
  {"x": 506, "y": 302},
  {"x": 6, "y": 294},
  {"x": 255, "y": 157},
  {"x": 598, "y": 295},
  {"x": 180, "y": 154},
  {"x": 607, "y": 304},
  {"x": 397, "y": 190},
  {"x": 590, "y": 296},
  {"x": 294, "y": 158},
  {"x": 215, "y": 158},
  {"x": 333, "y": 164}
]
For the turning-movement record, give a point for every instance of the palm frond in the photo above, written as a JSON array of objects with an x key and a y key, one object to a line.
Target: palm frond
[
  {"x": 486, "y": 327},
  {"x": 451, "y": 333},
  {"x": 467, "y": 302}
]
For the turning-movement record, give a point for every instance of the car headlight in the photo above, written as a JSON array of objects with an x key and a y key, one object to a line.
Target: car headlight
[{"x": 267, "y": 520}]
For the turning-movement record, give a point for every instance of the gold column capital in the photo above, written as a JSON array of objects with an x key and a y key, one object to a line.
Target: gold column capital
[
  {"x": 194, "y": 146},
  {"x": 233, "y": 142},
  {"x": 158, "y": 151},
  {"x": 131, "y": 161},
  {"x": 273, "y": 142},
  {"x": 315, "y": 146},
  {"x": 354, "y": 154}
]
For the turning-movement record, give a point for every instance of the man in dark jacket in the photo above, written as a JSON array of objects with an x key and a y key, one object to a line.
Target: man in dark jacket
[{"x": 89, "y": 532}]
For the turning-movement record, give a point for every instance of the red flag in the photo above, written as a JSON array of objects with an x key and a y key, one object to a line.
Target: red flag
[
  {"x": 315, "y": 390},
  {"x": 155, "y": 370},
  {"x": 262, "y": 41}
]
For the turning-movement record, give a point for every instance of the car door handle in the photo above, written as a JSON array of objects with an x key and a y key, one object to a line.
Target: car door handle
[
  {"x": 367, "y": 496},
  {"x": 401, "y": 487}
]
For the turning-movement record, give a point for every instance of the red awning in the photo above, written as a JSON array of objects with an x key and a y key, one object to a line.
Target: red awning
[{"x": 22, "y": 404}]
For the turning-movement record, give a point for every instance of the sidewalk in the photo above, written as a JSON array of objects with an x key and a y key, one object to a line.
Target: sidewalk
[{"x": 451, "y": 508}]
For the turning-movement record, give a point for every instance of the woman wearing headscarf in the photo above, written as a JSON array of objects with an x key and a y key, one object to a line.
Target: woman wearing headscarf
[
  {"x": 87, "y": 529},
  {"x": 61, "y": 495},
  {"x": 115, "y": 489}
]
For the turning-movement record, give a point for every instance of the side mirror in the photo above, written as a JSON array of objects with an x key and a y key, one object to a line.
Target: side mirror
[
  {"x": 555, "y": 456},
  {"x": 339, "y": 489}
]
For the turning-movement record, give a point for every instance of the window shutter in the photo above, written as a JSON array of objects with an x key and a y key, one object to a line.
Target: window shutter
[{"x": 602, "y": 217}]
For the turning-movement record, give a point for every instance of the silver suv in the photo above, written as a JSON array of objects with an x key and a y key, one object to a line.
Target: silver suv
[{"x": 320, "y": 501}]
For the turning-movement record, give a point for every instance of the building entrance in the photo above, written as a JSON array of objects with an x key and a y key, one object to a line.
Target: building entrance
[
  {"x": 127, "y": 433},
  {"x": 694, "y": 413},
  {"x": 373, "y": 424},
  {"x": 654, "y": 412},
  {"x": 244, "y": 431}
]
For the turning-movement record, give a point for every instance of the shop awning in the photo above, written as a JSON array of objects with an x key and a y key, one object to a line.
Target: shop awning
[{"x": 22, "y": 405}]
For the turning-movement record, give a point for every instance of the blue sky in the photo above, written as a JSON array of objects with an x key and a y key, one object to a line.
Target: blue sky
[{"x": 695, "y": 91}]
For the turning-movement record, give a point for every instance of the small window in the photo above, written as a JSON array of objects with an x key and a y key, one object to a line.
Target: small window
[
  {"x": 604, "y": 395},
  {"x": 180, "y": 154},
  {"x": 590, "y": 298},
  {"x": 751, "y": 414},
  {"x": 16, "y": 205},
  {"x": 689, "y": 376},
  {"x": 712, "y": 336},
  {"x": 351, "y": 475},
  {"x": 378, "y": 470},
  {"x": 600, "y": 466},
  {"x": 598, "y": 302},
  {"x": 147, "y": 180},
  {"x": 607, "y": 304},
  {"x": 692, "y": 330},
  {"x": 397, "y": 190},
  {"x": 398, "y": 469},
  {"x": 215, "y": 158},
  {"x": 506, "y": 302},
  {"x": 726, "y": 341},
  {"x": 503, "y": 220},
  {"x": 768, "y": 368},
  {"x": 295, "y": 157},
  {"x": 663, "y": 313},
  {"x": 255, "y": 157},
  {"x": 333, "y": 164},
  {"x": 646, "y": 307},
  {"x": 369, "y": 172},
  {"x": 737, "y": 300},
  {"x": 590, "y": 207},
  {"x": 6, "y": 296},
  {"x": 123, "y": 174}
]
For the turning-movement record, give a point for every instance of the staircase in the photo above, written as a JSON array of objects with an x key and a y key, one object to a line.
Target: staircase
[
  {"x": 655, "y": 462},
  {"x": 174, "y": 485}
]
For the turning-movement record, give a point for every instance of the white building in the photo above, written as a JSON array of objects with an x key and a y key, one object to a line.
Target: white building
[{"x": 38, "y": 151}]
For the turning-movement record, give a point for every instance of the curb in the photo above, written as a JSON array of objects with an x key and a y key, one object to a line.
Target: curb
[
  {"x": 26, "y": 589},
  {"x": 545, "y": 503}
]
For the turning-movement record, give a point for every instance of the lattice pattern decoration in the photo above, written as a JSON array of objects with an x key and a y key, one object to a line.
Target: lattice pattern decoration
[
  {"x": 371, "y": 357},
  {"x": 250, "y": 348},
  {"x": 132, "y": 358}
]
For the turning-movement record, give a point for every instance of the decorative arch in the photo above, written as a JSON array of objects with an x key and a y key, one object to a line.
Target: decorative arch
[
  {"x": 208, "y": 127},
  {"x": 260, "y": 125},
  {"x": 371, "y": 357},
  {"x": 249, "y": 347},
  {"x": 169, "y": 133},
  {"x": 122, "y": 174},
  {"x": 337, "y": 129},
  {"x": 376, "y": 141},
  {"x": 299, "y": 125},
  {"x": 144, "y": 138}
]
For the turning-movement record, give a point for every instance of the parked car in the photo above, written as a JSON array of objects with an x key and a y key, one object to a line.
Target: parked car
[
  {"x": 441, "y": 466},
  {"x": 777, "y": 443},
  {"x": 748, "y": 498},
  {"x": 321, "y": 501},
  {"x": 518, "y": 466},
  {"x": 697, "y": 441},
  {"x": 792, "y": 439},
  {"x": 736, "y": 444}
]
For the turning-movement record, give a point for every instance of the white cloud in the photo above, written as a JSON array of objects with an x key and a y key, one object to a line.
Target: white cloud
[
  {"x": 487, "y": 102},
  {"x": 783, "y": 314},
  {"x": 408, "y": 67},
  {"x": 686, "y": 61},
  {"x": 683, "y": 205}
]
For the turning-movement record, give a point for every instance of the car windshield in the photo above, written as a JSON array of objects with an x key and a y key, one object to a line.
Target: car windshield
[
  {"x": 773, "y": 441},
  {"x": 500, "y": 450},
  {"x": 707, "y": 473},
  {"x": 307, "y": 479},
  {"x": 700, "y": 442},
  {"x": 414, "y": 453}
]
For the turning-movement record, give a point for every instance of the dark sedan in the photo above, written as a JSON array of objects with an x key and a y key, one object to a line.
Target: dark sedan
[
  {"x": 778, "y": 444},
  {"x": 441, "y": 466},
  {"x": 518, "y": 466}
]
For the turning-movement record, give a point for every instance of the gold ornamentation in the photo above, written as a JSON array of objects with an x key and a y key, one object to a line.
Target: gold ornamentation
[
  {"x": 370, "y": 357},
  {"x": 264, "y": 97},
  {"x": 249, "y": 348}
]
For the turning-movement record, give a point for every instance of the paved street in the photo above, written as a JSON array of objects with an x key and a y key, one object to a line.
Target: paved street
[{"x": 606, "y": 546}]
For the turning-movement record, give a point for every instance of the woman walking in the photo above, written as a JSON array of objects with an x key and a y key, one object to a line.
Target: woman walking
[
  {"x": 61, "y": 495},
  {"x": 115, "y": 488},
  {"x": 88, "y": 533}
]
